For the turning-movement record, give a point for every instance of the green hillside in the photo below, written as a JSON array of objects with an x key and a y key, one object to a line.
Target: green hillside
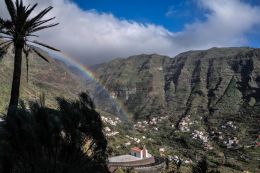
[
  {"x": 200, "y": 102},
  {"x": 53, "y": 79}
]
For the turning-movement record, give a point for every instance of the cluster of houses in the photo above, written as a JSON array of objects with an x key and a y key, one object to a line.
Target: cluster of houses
[
  {"x": 110, "y": 121},
  {"x": 135, "y": 139},
  {"x": 143, "y": 125},
  {"x": 185, "y": 124},
  {"x": 108, "y": 131},
  {"x": 229, "y": 124},
  {"x": 178, "y": 159},
  {"x": 216, "y": 135},
  {"x": 203, "y": 136},
  {"x": 231, "y": 142}
]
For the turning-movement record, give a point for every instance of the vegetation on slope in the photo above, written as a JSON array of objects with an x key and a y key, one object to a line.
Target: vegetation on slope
[
  {"x": 210, "y": 100},
  {"x": 53, "y": 79},
  {"x": 68, "y": 139}
]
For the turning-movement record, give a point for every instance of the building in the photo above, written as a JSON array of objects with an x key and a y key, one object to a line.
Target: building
[
  {"x": 138, "y": 158},
  {"x": 140, "y": 152}
]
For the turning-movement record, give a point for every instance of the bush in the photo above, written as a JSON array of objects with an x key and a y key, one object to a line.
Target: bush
[
  {"x": 201, "y": 167},
  {"x": 41, "y": 140}
]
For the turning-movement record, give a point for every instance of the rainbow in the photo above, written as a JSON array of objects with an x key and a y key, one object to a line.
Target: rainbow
[{"x": 88, "y": 74}]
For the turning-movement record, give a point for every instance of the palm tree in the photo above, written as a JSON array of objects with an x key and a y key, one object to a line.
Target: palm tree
[{"x": 18, "y": 31}]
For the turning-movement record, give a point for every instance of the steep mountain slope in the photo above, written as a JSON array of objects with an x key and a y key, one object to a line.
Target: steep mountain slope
[
  {"x": 53, "y": 79},
  {"x": 204, "y": 84},
  {"x": 200, "y": 100}
]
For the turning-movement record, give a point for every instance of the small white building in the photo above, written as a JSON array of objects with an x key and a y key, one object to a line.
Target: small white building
[{"x": 140, "y": 152}]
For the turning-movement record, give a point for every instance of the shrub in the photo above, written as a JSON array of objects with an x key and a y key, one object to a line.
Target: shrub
[{"x": 41, "y": 140}]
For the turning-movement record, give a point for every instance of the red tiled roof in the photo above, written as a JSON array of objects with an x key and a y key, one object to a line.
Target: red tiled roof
[{"x": 136, "y": 149}]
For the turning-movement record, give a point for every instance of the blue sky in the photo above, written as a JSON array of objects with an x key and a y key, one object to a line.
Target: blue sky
[
  {"x": 172, "y": 14},
  {"x": 96, "y": 31}
]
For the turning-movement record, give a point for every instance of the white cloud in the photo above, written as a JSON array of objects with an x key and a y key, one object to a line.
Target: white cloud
[
  {"x": 94, "y": 37},
  {"x": 227, "y": 24}
]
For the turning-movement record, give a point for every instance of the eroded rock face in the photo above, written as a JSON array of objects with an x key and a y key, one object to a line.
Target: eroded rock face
[{"x": 213, "y": 86}]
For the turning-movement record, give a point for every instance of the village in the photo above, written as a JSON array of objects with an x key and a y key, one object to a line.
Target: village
[{"x": 184, "y": 126}]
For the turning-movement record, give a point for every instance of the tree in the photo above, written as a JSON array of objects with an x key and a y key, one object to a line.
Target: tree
[
  {"x": 18, "y": 31},
  {"x": 42, "y": 140},
  {"x": 201, "y": 167},
  {"x": 173, "y": 167}
]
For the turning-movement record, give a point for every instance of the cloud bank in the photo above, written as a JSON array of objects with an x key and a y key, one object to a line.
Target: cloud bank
[{"x": 92, "y": 37}]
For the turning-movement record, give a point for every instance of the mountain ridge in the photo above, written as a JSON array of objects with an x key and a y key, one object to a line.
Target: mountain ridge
[
  {"x": 164, "y": 60},
  {"x": 210, "y": 99}
]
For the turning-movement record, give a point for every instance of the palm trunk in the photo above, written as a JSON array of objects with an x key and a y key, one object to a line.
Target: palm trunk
[{"x": 15, "y": 92}]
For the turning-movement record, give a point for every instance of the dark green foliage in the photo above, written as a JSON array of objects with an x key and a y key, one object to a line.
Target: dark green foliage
[
  {"x": 201, "y": 167},
  {"x": 214, "y": 171},
  {"x": 42, "y": 140}
]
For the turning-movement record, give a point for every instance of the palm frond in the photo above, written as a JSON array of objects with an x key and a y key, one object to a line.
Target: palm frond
[
  {"x": 41, "y": 14},
  {"x": 11, "y": 9},
  {"x": 7, "y": 33},
  {"x": 17, "y": 3},
  {"x": 21, "y": 14},
  {"x": 1, "y": 21},
  {"x": 5, "y": 42},
  {"x": 36, "y": 24},
  {"x": 1, "y": 24},
  {"x": 5, "y": 47},
  {"x": 46, "y": 46},
  {"x": 32, "y": 35},
  {"x": 29, "y": 11},
  {"x": 43, "y": 27},
  {"x": 5, "y": 25},
  {"x": 7, "y": 28},
  {"x": 40, "y": 55},
  {"x": 5, "y": 37}
]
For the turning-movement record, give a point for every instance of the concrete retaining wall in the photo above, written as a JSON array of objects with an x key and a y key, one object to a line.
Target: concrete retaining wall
[{"x": 137, "y": 163}]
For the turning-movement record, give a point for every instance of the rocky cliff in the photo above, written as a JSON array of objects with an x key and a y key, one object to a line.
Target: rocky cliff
[{"x": 202, "y": 99}]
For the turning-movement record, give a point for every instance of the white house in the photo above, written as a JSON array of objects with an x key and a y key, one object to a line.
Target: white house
[{"x": 140, "y": 152}]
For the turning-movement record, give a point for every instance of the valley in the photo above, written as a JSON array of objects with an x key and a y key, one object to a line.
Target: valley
[{"x": 200, "y": 103}]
